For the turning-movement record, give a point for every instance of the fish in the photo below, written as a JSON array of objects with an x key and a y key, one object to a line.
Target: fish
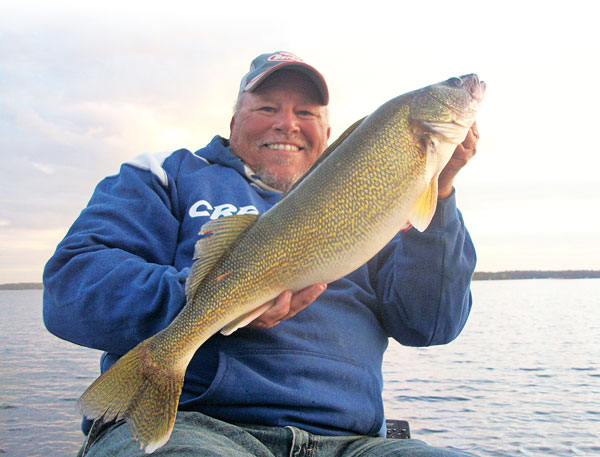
[{"x": 378, "y": 177}]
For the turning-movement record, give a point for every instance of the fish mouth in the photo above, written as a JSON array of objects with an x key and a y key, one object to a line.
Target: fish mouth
[{"x": 475, "y": 86}]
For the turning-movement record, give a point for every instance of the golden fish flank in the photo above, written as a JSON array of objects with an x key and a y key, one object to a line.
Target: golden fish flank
[{"x": 378, "y": 176}]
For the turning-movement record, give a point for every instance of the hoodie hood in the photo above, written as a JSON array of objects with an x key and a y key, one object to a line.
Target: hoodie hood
[{"x": 219, "y": 152}]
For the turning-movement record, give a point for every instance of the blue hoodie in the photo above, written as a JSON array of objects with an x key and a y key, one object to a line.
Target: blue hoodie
[{"x": 118, "y": 277}]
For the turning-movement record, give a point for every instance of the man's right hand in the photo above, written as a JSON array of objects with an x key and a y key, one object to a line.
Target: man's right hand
[{"x": 287, "y": 305}]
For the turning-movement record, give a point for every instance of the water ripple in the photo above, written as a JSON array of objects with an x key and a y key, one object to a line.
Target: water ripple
[
  {"x": 533, "y": 361},
  {"x": 521, "y": 380}
]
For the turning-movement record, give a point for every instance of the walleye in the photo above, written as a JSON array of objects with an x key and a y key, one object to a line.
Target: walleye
[{"x": 379, "y": 176}]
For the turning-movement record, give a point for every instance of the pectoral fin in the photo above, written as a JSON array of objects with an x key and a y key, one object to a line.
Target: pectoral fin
[{"x": 422, "y": 212}]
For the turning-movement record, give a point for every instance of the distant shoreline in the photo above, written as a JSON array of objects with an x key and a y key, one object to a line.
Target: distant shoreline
[
  {"x": 477, "y": 276},
  {"x": 536, "y": 274},
  {"x": 22, "y": 286}
]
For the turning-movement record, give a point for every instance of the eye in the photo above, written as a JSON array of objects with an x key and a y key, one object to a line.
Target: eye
[
  {"x": 267, "y": 109},
  {"x": 455, "y": 82}
]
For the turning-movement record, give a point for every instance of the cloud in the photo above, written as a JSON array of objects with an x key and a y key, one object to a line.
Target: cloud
[
  {"x": 45, "y": 168},
  {"x": 25, "y": 251},
  {"x": 88, "y": 85}
]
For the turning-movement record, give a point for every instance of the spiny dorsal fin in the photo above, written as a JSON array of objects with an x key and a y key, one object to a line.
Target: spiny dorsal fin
[
  {"x": 422, "y": 212},
  {"x": 327, "y": 152},
  {"x": 216, "y": 237}
]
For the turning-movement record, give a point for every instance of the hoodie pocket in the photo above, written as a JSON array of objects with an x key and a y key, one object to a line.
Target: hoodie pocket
[{"x": 315, "y": 392}]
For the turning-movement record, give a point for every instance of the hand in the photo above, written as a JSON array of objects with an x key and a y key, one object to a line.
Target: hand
[
  {"x": 462, "y": 154},
  {"x": 287, "y": 305}
]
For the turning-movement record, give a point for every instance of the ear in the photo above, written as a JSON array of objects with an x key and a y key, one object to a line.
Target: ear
[
  {"x": 231, "y": 124},
  {"x": 328, "y": 132}
]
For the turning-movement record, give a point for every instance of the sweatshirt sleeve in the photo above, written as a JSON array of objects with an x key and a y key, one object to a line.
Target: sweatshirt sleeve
[
  {"x": 423, "y": 280},
  {"x": 110, "y": 284}
]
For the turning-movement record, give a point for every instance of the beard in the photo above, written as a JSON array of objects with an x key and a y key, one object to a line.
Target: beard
[{"x": 279, "y": 181}]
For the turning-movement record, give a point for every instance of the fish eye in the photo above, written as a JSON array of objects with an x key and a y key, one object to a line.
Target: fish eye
[{"x": 455, "y": 82}]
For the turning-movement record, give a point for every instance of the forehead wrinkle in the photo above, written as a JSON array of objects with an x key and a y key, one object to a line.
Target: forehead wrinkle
[{"x": 245, "y": 100}]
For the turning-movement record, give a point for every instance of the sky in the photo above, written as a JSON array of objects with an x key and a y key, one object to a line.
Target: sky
[{"x": 85, "y": 86}]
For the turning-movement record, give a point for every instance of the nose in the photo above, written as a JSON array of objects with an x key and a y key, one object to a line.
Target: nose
[{"x": 286, "y": 121}]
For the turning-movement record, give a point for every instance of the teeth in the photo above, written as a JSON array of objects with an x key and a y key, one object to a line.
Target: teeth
[{"x": 283, "y": 147}]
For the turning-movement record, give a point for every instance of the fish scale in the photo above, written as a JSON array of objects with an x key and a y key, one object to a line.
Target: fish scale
[{"x": 380, "y": 175}]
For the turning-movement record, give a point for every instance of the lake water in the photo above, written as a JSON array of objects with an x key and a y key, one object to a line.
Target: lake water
[{"x": 522, "y": 379}]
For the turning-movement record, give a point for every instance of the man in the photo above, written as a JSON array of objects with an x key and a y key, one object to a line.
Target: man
[{"x": 307, "y": 385}]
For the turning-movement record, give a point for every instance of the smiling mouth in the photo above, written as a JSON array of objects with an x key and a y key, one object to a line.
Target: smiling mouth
[{"x": 283, "y": 147}]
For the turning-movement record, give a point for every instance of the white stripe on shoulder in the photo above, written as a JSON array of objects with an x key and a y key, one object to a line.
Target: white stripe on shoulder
[
  {"x": 201, "y": 158},
  {"x": 153, "y": 161}
]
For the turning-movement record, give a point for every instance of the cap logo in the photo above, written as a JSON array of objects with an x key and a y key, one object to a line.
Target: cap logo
[{"x": 282, "y": 56}]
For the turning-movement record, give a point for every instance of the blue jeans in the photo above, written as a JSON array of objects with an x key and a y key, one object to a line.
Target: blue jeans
[{"x": 198, "y": 435}]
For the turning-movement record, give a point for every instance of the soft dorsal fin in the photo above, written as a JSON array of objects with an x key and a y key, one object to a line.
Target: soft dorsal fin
[
  {"x": 422, "y": 212},
  {"x": 216, "y": 237},
  {"x": 327, "y": 152}
]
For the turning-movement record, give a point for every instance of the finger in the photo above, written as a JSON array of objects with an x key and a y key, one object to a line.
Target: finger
[
  {"x": 277, "y": 311},
  {"x": 473, "y": 136},
  {"x": 287, "y": 305},
  {"x": 475, "y": 130},
  {"x": 468, "y": 148},
  {"x": 470, "y": 141},
  {"x": 305, "y": 297}
]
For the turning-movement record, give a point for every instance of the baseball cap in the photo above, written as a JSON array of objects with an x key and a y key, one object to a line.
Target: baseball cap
[{"x": 265, "y": 64}]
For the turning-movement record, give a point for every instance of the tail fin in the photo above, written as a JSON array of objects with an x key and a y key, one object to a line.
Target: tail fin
[{"x": 141, "y": 391}]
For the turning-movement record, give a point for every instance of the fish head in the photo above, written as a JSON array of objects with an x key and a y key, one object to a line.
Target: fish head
[
  {"x": 447, "y": 109},
  {"x": 441, "y": 116}
]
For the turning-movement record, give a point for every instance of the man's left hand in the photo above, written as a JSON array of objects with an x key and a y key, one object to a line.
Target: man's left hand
[{"x": 462, "y": 154}]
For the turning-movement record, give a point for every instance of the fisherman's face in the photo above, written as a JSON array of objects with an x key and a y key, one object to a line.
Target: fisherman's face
[{"x": 280, "y": 129}]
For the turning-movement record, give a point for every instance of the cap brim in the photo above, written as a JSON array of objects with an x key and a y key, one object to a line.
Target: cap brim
[{"x": 307, "y": 70}]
